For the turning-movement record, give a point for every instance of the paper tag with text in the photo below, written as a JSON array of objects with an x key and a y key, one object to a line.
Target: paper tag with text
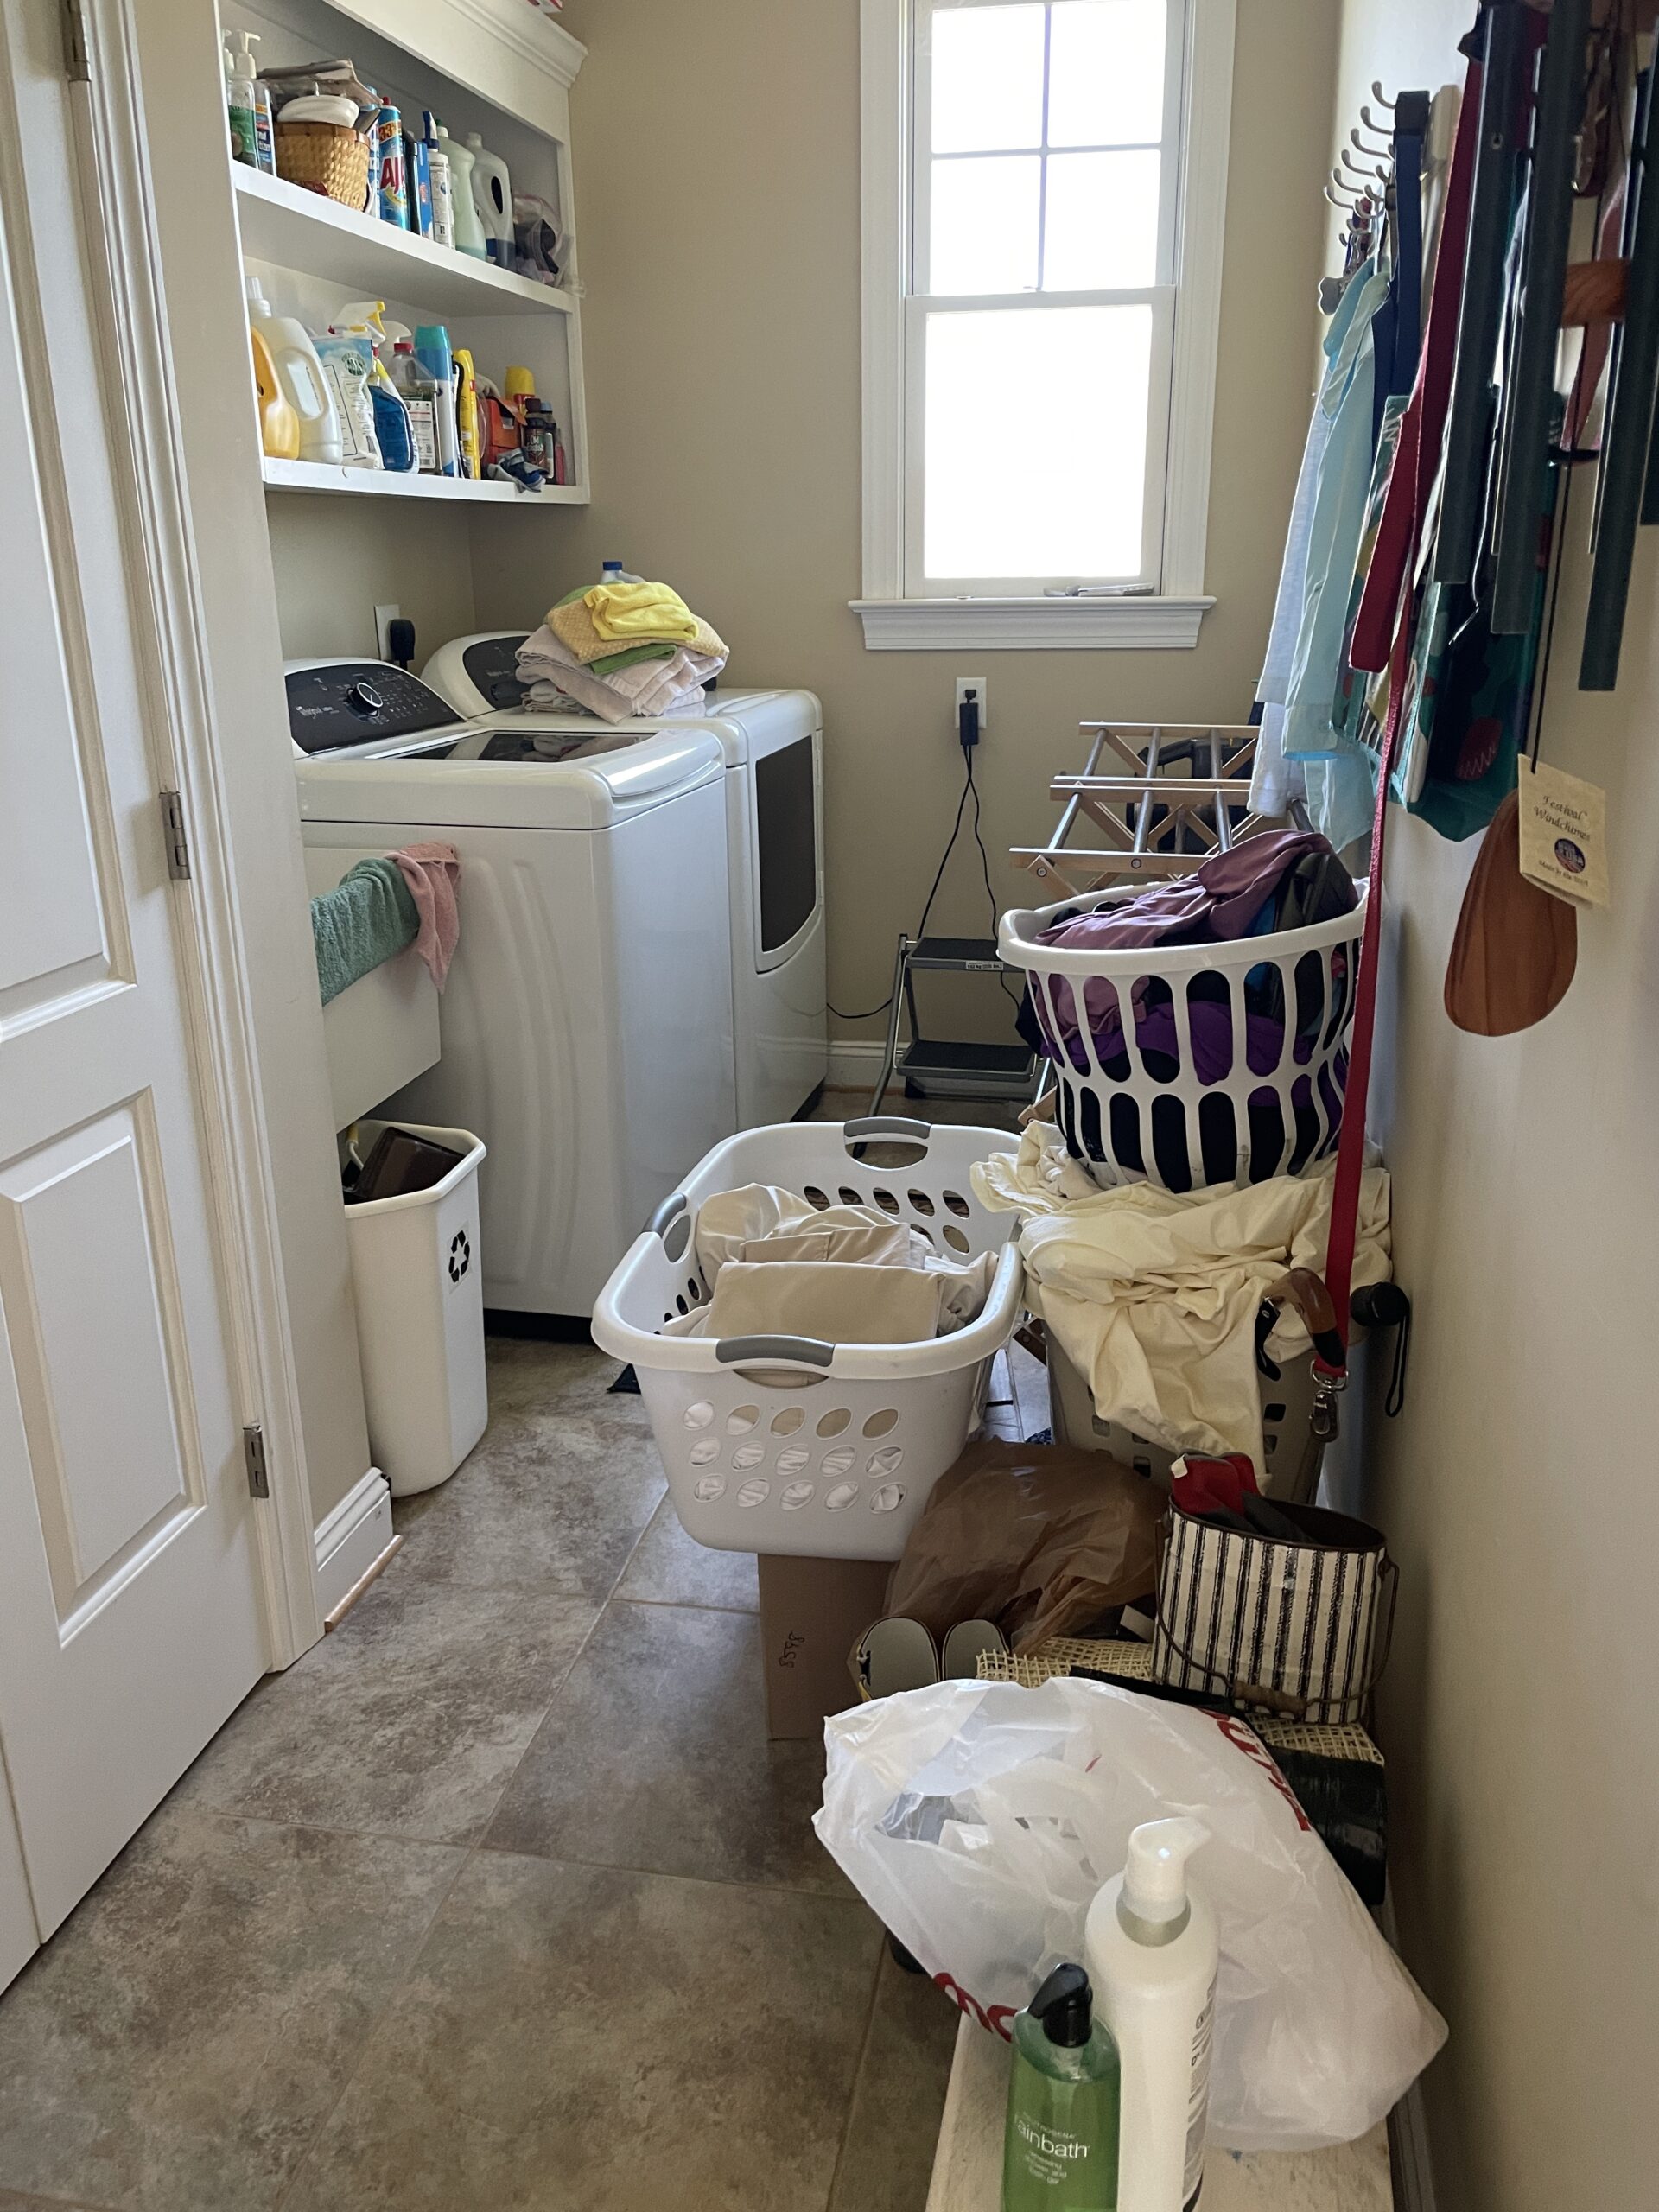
[{"x": 1564, "y": 835}]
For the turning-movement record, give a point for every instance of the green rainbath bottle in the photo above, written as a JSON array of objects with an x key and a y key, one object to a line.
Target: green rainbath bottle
[{"x": 1060, "y": 2151}]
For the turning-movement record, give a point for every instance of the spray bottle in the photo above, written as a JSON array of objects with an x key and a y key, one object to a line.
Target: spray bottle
[{"x": 1151, "y": 1952}]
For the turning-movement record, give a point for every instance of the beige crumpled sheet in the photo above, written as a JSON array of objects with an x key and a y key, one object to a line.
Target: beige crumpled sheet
[
  {"x": 761, "y": 1225},
  {"x": 1153, "y": 1294}
]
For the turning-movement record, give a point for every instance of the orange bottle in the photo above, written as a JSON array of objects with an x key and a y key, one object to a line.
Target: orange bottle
[{"x": 279, "y": 426}]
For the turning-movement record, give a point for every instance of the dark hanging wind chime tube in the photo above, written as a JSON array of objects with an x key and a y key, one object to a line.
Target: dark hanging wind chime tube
[
  {"x": 1530, "y": 386},
  {"x": 1468, "y": 420},
  {"x": 1621, "y": 481}
]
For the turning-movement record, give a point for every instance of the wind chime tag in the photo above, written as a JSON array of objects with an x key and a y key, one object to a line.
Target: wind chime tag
[{"x": 1564, "y": 835}]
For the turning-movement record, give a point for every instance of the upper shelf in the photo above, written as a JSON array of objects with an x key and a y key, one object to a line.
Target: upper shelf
[{"x": 302, "y": 230}]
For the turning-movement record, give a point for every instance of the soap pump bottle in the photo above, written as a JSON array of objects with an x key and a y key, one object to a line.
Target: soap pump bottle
[
  {"x": 1150, "y": 1941},
  {"x": 1060, "y": 2150}
]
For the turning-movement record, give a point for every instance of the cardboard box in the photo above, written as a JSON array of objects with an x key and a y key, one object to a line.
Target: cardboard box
[{"x": 812, "y": 1612}]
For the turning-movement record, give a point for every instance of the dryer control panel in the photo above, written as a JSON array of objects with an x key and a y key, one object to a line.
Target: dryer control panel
[{"x": 336, "y": 704}]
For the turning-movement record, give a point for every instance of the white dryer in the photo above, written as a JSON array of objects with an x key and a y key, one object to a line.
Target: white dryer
[
  {"x": 773, "y": 747},
  {"x": 587, "y": 1023}
]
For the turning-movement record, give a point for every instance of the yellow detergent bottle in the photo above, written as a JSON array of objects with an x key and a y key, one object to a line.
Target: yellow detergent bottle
[
  {"x": 279, "y": 426},
  {"x": 472, "y": 456}
]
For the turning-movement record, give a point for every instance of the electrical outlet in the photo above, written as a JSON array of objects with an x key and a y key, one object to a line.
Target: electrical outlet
[
  {"x": 976, "y": 685},
  {"x": 384, "y": 619}
]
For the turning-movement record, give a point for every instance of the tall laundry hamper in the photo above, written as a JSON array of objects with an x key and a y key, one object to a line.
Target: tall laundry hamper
[
  {"x": 1193, "y": 1064},
  {"x": 784, "y": 1445}
]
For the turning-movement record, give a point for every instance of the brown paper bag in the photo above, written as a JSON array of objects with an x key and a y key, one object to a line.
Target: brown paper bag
[{"x": 1041, "y": 1538}]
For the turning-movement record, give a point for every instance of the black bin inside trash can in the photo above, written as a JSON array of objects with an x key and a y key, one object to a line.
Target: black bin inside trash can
[{"x": 399, "y": 1163}]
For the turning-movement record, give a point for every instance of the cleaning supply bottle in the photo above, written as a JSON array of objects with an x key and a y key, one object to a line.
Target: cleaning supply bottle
[
  {"x": 418, "y": 390},
  {"x": 265, "y": 125},
  {"x": 1060, "y": 2150},
  {"x": 438, "y": 171},
  {"x": 238, "y": 100},
  {"x": 520, "y": 395},
  {"x": 364, "y": 319},
  {"x": 347, "y": 359},
  {"x": 468, "y": 433},
  {"x": 469, "y": 232},
  {"x": 393, "y": 186},
  {"x": 1151, "y": 1946},
  {"x": 432, "y": 351},
  {"x": 493, "y": 197},
  {"x": 279, "y": 426},
  {"x": 299, "y": 373}
]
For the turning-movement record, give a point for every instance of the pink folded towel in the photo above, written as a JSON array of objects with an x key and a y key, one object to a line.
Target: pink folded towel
[{"x": 432, "y": 871}]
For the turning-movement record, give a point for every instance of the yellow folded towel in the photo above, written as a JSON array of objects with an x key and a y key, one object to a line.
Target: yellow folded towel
[
  {"x": 573, "y": 625},
  {"x": 626, "y": 613}
]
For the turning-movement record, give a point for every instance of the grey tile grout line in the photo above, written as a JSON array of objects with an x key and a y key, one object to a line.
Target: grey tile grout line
[
  {"x": 865, "y": 2041},
  {"x": 469, "y": 1852},
  {"x": 372, "y": 2030}
]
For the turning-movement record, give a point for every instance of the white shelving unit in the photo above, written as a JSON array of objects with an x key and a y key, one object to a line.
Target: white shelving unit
[
  {"x": 379, "y": 483},
  {"x": 495, "y": 67},
  {"x": 285, "y": 223}
]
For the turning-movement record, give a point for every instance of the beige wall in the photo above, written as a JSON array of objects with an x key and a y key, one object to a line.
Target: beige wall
[
  {"x": 1517, "y": 1487},
  {"x": 716, "y": 151}
]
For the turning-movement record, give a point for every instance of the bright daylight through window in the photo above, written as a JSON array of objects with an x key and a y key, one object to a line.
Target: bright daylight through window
[
  {"x": 1042, "y": 246},
  {"x": 1045, "y": 179}
]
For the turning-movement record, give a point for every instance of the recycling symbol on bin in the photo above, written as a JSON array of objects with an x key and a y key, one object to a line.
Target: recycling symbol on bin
[{"x": 461, "y": 1256}]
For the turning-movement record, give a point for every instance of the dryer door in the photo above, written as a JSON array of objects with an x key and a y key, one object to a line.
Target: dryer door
[{"x": 786, "y": 849}]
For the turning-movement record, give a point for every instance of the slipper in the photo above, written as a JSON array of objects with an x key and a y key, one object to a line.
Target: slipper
[
  {"x": 894, "y": 1655},
  {"x": 959, "y": 1656}
]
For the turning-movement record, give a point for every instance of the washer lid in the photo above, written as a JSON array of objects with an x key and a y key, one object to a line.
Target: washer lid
[{"x": 492, "y": 779}]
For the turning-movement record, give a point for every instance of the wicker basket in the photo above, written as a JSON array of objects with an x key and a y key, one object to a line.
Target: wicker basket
[{"x": 325, "y": 157}]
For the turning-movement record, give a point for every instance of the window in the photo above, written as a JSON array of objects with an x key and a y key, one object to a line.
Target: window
[{"x": 1044, "y": 186}]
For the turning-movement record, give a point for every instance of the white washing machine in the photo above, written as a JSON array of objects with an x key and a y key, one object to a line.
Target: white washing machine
[
  {"x": 774, "y": 744},
  {"x": 587, "y": 1023}
]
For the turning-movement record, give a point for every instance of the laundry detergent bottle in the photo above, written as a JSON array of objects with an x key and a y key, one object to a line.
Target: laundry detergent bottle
[
  {"x": 1151, "y": 1952},
  {"x": 1059, "y": 2153},
  {"x": 299, "y": 373}
]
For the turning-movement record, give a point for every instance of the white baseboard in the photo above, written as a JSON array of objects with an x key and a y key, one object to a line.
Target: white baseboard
[
  {"x": 1410, "y": 2158},
  {"x": 352, "y": 1538},
  {"x": 854, "y": 1062}
]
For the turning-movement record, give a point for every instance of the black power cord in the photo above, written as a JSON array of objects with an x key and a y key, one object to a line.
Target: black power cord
[{"x": 968, "y": 737}]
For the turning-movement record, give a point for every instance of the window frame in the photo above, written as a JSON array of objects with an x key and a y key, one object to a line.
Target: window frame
[{"x": 1166, "y": 604}]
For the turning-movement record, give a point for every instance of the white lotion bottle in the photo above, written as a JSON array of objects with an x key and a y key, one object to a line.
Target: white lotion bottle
[{"x": 1150, "y": 1950}]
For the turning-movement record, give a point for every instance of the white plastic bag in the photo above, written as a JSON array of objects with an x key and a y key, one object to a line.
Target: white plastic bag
[{"x": 979, "y": 1819}]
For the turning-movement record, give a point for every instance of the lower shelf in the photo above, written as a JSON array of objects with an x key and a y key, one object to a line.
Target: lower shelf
[{"x": 378, "y": 483}]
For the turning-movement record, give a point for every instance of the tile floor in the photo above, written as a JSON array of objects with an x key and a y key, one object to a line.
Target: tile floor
[{"x": 499, "y": 1901}]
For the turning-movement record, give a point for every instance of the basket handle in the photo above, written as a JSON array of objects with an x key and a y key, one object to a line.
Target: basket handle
[
  {"x": 887, "y": 1125},
  {"x": 663, "y": 1223},
  {"x": 800, "y": 1352}
]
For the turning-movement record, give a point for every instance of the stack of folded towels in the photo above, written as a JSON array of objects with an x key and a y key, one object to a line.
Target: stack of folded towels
[{"x": 621, "y": 650}]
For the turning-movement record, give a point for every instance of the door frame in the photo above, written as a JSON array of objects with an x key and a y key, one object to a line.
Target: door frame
[{"x": 162, "y": 522}]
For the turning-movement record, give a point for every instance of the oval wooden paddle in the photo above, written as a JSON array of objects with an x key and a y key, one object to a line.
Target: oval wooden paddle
[{"x": 1516, "y": 948}]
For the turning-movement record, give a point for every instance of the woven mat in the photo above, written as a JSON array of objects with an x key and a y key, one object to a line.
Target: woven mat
[{"x": 1133, "y": 1661}]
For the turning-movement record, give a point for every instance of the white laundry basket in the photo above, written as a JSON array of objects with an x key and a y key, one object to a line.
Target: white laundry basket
[
  {"x": 419, "y": 1292},
  {"x": 784, "y": 1445},
  {"x": 1199, "y": 1085}
]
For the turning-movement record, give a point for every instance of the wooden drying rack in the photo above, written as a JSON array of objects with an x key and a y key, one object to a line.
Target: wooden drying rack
[{"x": 1125, "y": 807}]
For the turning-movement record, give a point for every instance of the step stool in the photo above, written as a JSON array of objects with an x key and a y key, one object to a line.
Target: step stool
[{"x": 935, "y": 1067}]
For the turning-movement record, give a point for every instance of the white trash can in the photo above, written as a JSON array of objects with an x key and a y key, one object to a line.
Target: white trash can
[{"x": 420, "y": 1317}]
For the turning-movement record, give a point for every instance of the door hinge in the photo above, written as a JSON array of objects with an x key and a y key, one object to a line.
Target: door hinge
[
  {"x": 253, "y": 1454},
  {"x": 77, "y": 65},
  {"x": 177, "y": 836}
]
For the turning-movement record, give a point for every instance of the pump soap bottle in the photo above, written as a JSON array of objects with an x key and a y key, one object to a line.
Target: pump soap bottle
[
  {"x": 1060, "y": 2151},
  {"x": 1150, "y": 1941}
]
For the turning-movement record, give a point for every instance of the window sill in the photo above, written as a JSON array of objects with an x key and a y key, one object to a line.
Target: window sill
[{"x": 1137, "y": 624}]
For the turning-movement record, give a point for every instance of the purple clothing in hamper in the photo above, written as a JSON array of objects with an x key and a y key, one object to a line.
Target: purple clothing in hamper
[{"x": 1221, "y": 900}]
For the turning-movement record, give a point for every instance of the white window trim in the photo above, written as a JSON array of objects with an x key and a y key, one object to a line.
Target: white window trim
[{"x": 1169, "y": 618}]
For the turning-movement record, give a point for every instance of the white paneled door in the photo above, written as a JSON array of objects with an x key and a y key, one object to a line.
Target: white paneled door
[{"x": 131, "y": 1618}]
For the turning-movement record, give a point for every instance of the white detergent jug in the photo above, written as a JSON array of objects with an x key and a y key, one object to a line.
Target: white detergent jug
[
  {"x": 469, "y": 232},
  {"x": 299, "y": 372},
  {"x": 493, "y": 197}
]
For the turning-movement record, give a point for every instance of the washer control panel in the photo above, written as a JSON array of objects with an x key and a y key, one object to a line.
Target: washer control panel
[{"x": 337, "y": 703}]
